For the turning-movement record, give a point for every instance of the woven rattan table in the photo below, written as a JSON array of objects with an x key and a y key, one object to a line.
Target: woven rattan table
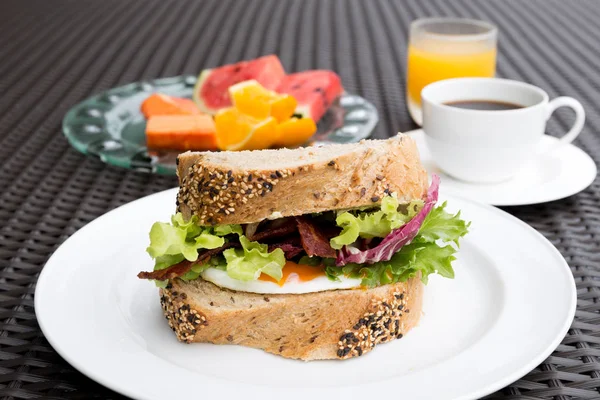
[{"x": 55, "y": 53}]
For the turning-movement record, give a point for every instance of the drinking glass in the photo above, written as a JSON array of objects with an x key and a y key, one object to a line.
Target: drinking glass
[{"x": 443, "y": 48}]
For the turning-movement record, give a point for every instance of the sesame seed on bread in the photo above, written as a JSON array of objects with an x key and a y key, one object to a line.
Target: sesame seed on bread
[
  {"x": 334, "y": 324},
  {"x": 250, "y": 186}
]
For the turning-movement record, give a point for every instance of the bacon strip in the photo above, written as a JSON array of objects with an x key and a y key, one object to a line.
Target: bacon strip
[
  {"x": 314, "y": 241},
  {"x": 183, "y": 267},
  {"x": 287, "y": 228},
  {"x": 291, "y": 247}
]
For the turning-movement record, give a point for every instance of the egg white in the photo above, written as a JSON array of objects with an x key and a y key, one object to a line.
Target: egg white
[{"x": 292, "y": 286}]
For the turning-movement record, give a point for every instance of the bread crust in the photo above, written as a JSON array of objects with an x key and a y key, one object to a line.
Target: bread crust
[
  {"x": 220, "y": 189},
  {"x": 335, "y": 324}
]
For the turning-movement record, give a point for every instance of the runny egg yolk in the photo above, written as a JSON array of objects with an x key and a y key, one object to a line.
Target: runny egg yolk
[{"x": 303, "y": 272}]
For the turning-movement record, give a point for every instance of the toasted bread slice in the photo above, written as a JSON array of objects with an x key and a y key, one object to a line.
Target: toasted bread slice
[
  {"x": 250, "y": 186},
  {"x": 335, "y": 324}
]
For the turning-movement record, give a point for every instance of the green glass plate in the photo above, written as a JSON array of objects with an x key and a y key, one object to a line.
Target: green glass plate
[{"x": 110, "y": 125}]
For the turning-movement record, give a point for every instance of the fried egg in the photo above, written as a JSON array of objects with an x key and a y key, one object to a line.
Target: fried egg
[{"x": 292, "y": 283}]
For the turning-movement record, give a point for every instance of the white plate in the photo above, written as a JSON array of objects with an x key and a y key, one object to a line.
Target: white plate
[
  {"x": 550, "y": 176},
  {"x": 509, "y": 306}
]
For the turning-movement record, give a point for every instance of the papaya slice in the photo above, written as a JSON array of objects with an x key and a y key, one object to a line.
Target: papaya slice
[
  {"x": 181, "y": 132},
  {"x": 161, "y": 104}
]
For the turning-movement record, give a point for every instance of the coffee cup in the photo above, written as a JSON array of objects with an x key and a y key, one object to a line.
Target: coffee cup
[{"x": 484, "y": 130}]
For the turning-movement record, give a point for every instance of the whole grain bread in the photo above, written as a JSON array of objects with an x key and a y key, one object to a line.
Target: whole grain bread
[
  {"x": 335, "y": 324},
  {"x": 250, "y": 186}
]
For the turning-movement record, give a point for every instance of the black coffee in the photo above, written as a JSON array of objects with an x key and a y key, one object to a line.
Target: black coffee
[{"x": 486, "y": 105}]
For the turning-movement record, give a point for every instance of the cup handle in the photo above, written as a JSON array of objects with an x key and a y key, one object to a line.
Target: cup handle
[{"x": 579, "y": 116}]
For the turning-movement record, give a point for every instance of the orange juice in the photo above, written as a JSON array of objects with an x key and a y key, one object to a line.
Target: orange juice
[
  {"x": 431, "y": 65},
  {"x": 444, "y": 48}
]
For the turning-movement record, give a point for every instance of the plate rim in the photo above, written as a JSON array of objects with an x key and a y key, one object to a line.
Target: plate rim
[
  {"x": 484, "y": 390},
  {"x": 542, "y": 199}
]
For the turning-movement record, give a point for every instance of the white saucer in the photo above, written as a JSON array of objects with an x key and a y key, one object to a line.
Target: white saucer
[
  {"x": 509, "y": 306},
  {"x": 550, "y": 176}
]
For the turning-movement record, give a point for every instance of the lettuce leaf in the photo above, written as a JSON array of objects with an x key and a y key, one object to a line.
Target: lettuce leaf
[
  {"x": 440, "y": 225},
  {"x": 431, "y": 251},
  {"x": 191, "y": 227},
  {"x": 171, "y": 243},
  {"x": 207, "y": 240},
  {"x": 167, "y": 260},
  {"x": 252, "y": 259},
  {"x": 370, "y": 224},
  {"x": 224, "y": 230},
  {"x": 350, "y": 230},
  {"x": 179, "y": 240},
  {"x": 195, "y": 272},
  {"x": 167, "y": 239}
]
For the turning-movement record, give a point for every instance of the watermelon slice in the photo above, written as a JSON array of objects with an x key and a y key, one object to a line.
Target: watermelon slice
[
  {"x": 314, "y": 91},
  {"x": 211, "y": 90}
]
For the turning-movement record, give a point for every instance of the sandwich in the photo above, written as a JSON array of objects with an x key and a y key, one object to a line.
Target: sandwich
[{"x": 310, "y": 253}]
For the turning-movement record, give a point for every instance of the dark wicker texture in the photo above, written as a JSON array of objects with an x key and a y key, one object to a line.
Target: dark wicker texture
[{"x": 55, "y": 53}]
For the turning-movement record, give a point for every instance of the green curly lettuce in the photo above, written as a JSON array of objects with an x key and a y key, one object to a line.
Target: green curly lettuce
[
  {"x": 224, "y": 230},
  {"x": 252, "y": 259},
  {"x": 431, "y": 251},
  {"x": 181, "y": 238},
  {"x": 441, "y": 225},
  {"x": 171, "y": 243},
  {"x": 370, "y": 224},
  {"x": 197, "y": 269}
]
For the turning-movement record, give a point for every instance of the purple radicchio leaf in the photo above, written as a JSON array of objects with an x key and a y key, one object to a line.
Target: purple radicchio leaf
[{"x": 394, "y": 241}]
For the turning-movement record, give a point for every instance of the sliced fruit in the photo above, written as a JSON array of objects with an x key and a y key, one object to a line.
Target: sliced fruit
[
  {"x": 211, "y": 90},
  {"x": 161, "y": 104},
  {"x": 295, "y": 132},
  {"x": 314, "y": 91},
  {"x": 181, "y": 132},
  {"x": 237, "y": 131},
  {"x": 251, "y": 98}
]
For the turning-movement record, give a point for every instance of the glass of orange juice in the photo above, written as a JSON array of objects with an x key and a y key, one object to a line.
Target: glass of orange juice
[{"x": 443, "y": 48}]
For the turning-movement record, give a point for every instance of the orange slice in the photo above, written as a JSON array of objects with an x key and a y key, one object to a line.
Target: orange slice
[
  {"x": 250, "y": 98},
  {"x": 161, "y": 104},
  {"x": 294, "y": 132},
  {"x": 237, "y": 131}
]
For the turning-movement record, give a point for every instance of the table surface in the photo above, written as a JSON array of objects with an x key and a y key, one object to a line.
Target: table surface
[{"x": 54, "y": 54}]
